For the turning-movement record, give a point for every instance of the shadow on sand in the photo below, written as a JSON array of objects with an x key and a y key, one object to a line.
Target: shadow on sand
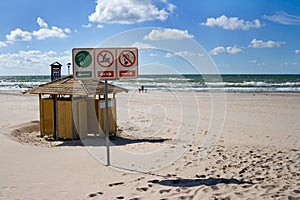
[
  {"x": 30, "y": 133},
  {"x": 115, "y": 141},
  {"x": 197, "y": 182}
]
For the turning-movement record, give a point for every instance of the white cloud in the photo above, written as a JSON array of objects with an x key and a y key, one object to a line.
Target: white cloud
[
  {"x": 286, "y": 64},
  {"x": 129, "y": 11},
  {"x": 18, "y": 35},
  {"x": 169, "y": 55},
  {"x": 44, "y": 32},
  {"x": 262, "y": 64},
  {"x": 51, "y": 53},
  {"x": 168, "y": 34},
  {"x": 252, "y": 61},
  {"x": 67, "y": 30},
  {"x": 41, "y": 23},
  {"x": 153, "y": 55},
  {"x": 33, "y": 59},
  {"x": 233, "y": 50},
  {"x": 2, "y": 44},
  {"x": 226, "y": 50},
  {"x": 179, "y": 53},
  {"x": 297, "y": 51},
  {"x": 89, "y": 25},
  {"x": 284, "y": 18},
  {"x": 259, "y": 64},
  {"x": 218, "y": 50},
  {"x": 184, "y": 53},
  {"x": 100, "y": 26},
  {"x": 171, "y": 7},
  {"x": 264, "y": 44},
  {"x": 232, "y": 23},
  {"x": 141, "y": 45}
]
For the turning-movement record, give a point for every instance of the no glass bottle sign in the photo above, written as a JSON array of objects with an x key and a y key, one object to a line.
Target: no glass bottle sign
[
  {"x": 83, "y": 63},
  {"x": 127, "y": 63}
]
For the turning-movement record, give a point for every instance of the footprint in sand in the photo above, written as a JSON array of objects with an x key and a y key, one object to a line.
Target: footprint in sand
[
  {"x": 296, "y": 191},
  {"x": 92, "y": 195},
  {"x": 268, "y": 186},
  {"x": 214, "y": 187},
  {"x": 114, "y": 184},
  {"x": 164, "y": 191},
  {"x": 142, "y": 189},
  {"x": 247, "y": 186},
  {"x": 95, "y": 194},
  {"x": 201, "y": 176}
]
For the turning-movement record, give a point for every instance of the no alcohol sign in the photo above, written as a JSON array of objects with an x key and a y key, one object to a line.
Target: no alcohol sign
[{"x": 105, "y": 63}]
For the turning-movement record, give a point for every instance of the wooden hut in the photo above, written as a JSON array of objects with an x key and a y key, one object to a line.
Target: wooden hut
[{"x": 71, "y": 108}]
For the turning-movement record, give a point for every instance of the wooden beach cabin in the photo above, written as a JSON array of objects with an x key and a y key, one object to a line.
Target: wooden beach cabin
[{"x": 70, "y": 108}]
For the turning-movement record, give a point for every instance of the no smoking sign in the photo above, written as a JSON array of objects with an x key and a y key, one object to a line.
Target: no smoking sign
[{"x": 105, "y": 66}]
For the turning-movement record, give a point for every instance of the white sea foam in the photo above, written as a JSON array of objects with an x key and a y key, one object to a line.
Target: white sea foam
[{"x": 280, "y": 83}]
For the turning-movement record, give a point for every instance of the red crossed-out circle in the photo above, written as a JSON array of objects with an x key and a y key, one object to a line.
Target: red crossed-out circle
[
  {"x": 127, "y": 58},
  {"x": 103, "y": 60}
]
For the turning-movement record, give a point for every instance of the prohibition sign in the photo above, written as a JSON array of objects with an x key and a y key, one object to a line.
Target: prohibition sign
[
  {"x": 127, "y": 58},
  {"x": 105, "y": 58}
]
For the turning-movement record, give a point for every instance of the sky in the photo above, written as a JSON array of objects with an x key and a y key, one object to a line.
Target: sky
[{"x": 236, "y": 36}]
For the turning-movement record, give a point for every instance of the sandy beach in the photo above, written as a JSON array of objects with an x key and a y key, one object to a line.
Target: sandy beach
[{"x": 178, "y": 146}]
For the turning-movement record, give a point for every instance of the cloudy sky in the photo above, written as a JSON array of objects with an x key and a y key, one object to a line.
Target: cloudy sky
[{"x": 240, "y": 36}]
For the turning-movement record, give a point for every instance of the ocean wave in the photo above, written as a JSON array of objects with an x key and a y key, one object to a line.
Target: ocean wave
[
  {"x": 252, "y": 84},
  {"x": 195, "y": 83},
  {"x": 229, "y": 90}
]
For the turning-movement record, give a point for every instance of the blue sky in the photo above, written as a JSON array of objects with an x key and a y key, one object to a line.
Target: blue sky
[{"x": 239, "y": 36}]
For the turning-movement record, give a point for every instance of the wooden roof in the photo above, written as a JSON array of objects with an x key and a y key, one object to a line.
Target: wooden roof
[{"x": 69, "y": 86}]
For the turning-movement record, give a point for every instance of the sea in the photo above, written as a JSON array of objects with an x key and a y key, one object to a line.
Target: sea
[{"x": 229, "y": 83}]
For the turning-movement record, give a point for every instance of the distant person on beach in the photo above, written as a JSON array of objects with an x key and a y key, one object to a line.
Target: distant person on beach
[{"x": 142, "y": 89}]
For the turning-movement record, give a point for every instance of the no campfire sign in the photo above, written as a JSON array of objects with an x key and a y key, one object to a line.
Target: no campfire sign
[{"x": 105, "y": 63}]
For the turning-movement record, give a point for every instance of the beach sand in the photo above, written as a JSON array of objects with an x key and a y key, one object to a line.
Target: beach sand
[{"x": 177, "y": 146}]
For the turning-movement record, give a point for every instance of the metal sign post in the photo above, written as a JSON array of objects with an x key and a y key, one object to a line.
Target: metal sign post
[
  {"x": 106, "y": 126},
  {"x": 105, "y": 64}
]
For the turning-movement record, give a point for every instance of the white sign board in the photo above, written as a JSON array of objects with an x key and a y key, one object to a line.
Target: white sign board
[
  {"x": 127, "y": 63},
  {"x": 83, "y": 63},
  {"x": 105, "y": 63}
]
